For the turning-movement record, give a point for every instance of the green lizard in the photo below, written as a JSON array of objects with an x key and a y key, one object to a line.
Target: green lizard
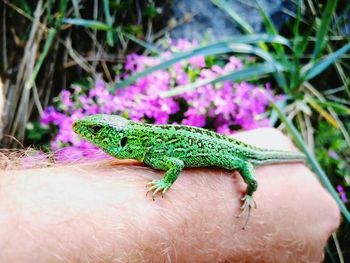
[{"x": 173, "y": 147}]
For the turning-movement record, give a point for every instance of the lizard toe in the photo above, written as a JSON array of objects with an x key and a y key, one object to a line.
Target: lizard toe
[
  {"x": 248, "y": 201},
  {"x": 157, "y": 186}
]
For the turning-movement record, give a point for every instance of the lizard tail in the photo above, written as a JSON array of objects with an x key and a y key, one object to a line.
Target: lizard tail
[{"x": 279, "y": 157}]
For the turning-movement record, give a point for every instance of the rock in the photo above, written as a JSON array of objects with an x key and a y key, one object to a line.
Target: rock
[{"x": 210, "y": 19}]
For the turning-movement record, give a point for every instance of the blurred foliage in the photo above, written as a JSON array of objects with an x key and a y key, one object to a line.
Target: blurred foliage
[
  {"x": 333, "y": 153},
  {"x": 48, "y": 45},
  {"x": 41, "y": 52},
  {"x": 38, "y": 135},
  {"x": 225, "y": 108},
  {"x": 308, "y": 50}
]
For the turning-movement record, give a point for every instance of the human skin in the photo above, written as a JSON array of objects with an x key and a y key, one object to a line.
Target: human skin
[{"x": 98, "y": 212}]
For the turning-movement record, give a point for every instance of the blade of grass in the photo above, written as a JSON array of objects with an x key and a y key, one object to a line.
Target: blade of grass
[
  {"x": 93, "y": 24},
  {"x": 174, "y": 59},
  {"x": 269, "y": 25},
  {"x": 144, "y": 44},
  {"x": 337, "y": 245},
  {"x": 272, "y": 30},
  {"x": 251, "y": 72},
  {"x": 47, "y": 45},
  {"x": 298, "y": 20},
  {"x": 300, "y": 43},
  {"x": 19, "y": 10},
  {"x": 249, "y": 49},
  {"x": 312, "y": 160},
  {"x": 62, "y": 13},
  {"x": 75, "y": 4},
  {"x": 49, "y": 12},
  {"x": 23, "y": 5},
  {"x": 226, "y": 7},
  {"x": 322, "y": 112},
  {"x": 248, "y": 29},
  {"x": 110, "y": 40},
  {"x": 319, "y": 96},
  {"x": 323, "y": 28},
  {"x": 337, "y": 107},
  {"x": 341, "y": 73},
  {"x": 312, "y": 69},
  {"x": 282, "y": 103},
  {"x": 211, "y": 49}
]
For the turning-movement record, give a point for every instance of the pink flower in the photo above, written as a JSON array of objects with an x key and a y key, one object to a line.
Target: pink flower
[
  {"x": 65, "y": 98},
  {"x": 192, "y": 118},
  {"x": 228, "y": 106},
  {"x": 51, "y": 116},
  {"x": 342, "y": 193}
]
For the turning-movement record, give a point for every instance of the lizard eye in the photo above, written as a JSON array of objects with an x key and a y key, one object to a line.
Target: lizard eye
[
  {"x": 96, "y": 128},
  {"x": 123, "y": 141}
]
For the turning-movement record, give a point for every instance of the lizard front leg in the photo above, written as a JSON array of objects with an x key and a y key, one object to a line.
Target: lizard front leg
[{"x": 173, "y": 167}]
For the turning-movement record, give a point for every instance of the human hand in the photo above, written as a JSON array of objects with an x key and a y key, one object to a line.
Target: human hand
[{"x": 99, "y": 212}]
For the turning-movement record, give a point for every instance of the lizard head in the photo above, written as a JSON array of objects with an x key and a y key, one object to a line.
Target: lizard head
[{"x": 108, "y": 132}]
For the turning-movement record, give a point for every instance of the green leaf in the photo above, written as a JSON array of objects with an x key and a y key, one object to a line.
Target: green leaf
[
  {"x": 252, "y": 72},
  {"x": 312, "y": 160},
  {"x": 323, "y": 28},
  {"x": 312, "y": 69},
  {"x": 93, "y": 24},
  {"x": 211, "y": 49}
]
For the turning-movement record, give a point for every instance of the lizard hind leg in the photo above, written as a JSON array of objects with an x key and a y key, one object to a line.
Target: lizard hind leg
[{"x": 247, "y": 172}]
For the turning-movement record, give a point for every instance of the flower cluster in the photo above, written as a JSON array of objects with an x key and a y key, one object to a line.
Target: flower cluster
[{"x": 224, "y": 107}]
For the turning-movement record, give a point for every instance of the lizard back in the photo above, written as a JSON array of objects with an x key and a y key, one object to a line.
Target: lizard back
[{"x": 197, "y": 146}]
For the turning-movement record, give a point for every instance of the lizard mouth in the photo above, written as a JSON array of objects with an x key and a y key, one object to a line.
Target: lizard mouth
[
  {"x": 75, "y": 127},
  {"x": 84, "y": 131}
]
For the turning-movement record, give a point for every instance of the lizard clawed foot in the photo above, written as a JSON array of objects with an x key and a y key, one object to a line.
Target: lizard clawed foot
[
  {"x": 157, "y": 186},
  {"x": 248, "y": 201}
]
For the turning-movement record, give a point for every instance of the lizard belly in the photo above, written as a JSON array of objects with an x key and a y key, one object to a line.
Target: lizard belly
[
  {"x": 190, "y": 157},
  {"x": 197, "y": 159}
]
